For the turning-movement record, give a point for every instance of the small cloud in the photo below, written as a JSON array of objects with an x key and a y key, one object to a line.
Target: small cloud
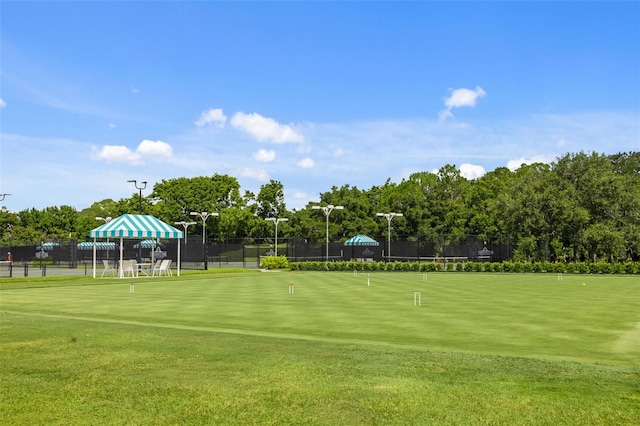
[
  {"x": 2, "y": 103},
  {"x": 299, "y": 195},
  {"x": 135, "y": 90},
  {"x": 155, "y": 148},
  {"x": 472, "y": 171},
  {"x": 264, "y": 128},
  {"x": 214, "y": 117},
  {"x": 259, "y": 175},
  {"x": 264, "y": 155},
  {"x": 460, "y": 98},
  {"x": 338, "y": 152},
  {"x": 112, "y": 126},
  {"x": 517, "y": 163},
  {"x": 121, "y": 154},
  {"x": 306, "y": 163},
  {"x": 117, "y": 154}
]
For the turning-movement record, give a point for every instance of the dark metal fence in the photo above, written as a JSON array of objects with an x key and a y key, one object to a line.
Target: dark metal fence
[{"x": 246, "y": 253}]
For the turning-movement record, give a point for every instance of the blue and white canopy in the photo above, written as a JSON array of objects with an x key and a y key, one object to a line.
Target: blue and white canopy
[
  {"x": 136, "y": 226},
  {"x": 361, "y": 240},
  {"x": 100, "y": 245}
]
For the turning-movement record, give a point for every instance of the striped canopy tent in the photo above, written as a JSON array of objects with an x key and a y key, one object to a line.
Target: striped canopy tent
[
  {"x": 100, "y": 245},
  {"x": 361, "y": 240},
  {"x": 135, "y": 226},
  {"x": 48, "y": 246},
  {"x": 148, "y": 244}
]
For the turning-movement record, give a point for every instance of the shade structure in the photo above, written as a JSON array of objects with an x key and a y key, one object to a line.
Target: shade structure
[
  {"x": 48, "y": 246},
  {"x": 148, "y": 244},
  {"x": 100, "y": 245},
  {"x": 361, "y": 240},
  {"x": 134, "y": 226}
]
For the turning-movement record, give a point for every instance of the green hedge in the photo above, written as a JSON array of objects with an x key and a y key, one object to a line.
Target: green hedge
[{"x": 507, "y": 266}]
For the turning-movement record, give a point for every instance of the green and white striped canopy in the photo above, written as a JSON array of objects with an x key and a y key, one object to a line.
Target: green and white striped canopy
[
  {"x": 361, "y": 240},
  {"x": 136, "y": 226},
  {"x": 100, "y": 245}
]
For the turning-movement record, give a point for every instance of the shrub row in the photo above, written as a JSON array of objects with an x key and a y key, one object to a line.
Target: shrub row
[{"x": 507, "y": 266}]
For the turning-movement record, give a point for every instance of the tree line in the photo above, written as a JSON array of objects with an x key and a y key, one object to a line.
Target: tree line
[{"x": 582, "y": 206}]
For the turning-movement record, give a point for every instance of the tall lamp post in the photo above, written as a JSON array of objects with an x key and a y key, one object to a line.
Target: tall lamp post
[
  {"x": 106, "y": 220},
  {"x": 389, "y": 217},
  {"x": 277, "y": 221},
  {"x": 142, "y": 186},
  {"x": 185, "y": 224},
  {"x": 3, "y": 196},
  {"x": 204, "y": 216},
  {"x": 327, "y": 211}
]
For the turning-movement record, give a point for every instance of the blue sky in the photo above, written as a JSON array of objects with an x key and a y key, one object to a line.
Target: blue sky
[{"x": 312, "y": 94}]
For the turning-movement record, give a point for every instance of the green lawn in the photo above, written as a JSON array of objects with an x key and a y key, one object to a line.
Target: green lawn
[{"x": 237, "y": 348}]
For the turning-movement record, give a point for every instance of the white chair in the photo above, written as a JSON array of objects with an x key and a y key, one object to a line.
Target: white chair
[
  {"x": 108, "y": 268},
  {"x": 156, "y": 267},
  {"x": 164, "y": 268},
  {"x": 129, "y": 267}
]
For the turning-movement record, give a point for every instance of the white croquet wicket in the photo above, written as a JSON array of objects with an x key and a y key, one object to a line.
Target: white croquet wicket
[
  {"x": 291, "y": 288},
  {"x": 368, "y": 280},
  {"x": 560, "y": 277},
  {"x": 424, "y": 277},
  {"x": 417, "y": 298},
  {"x": 132, "y": 288}
]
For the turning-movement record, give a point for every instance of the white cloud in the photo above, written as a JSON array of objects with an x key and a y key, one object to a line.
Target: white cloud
[
  {"x": 299, "y": 195},
  {"x": 516, "y": 163},
  {"x": 460, "y": 98},
  {"x": 471, "y": 171},
  {"x": 121, "y": 154},
  {"x": 264, "y": 128},
  {"x": 306, "y": 163},
  {"x": 135, "y": 90},
  {"x": 214, "y": 116},
  {"x": 259, "y": 175},
  {"x": 338, "y": 152},
  {"x": 112, "y": 126},
  {"x": 2, "y": 103},
  {"x": 117, "y": 154},
  {"x": 265, "y": 155},
  {"x": 154, "y": 149}
]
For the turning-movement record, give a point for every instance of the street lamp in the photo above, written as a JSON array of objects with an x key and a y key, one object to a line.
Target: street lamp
[
  {"x": 106, "y": 220},
  {"x": 142, "y": 186},
  {"x": 186, "y": 225},
  {"x": 277, "y": 221},
  {"x": 327, "y": 211},
  {"x": 3, "y": 196},
  {"x": 204, "y": 216},
  {"x": 389, "y": 217}
]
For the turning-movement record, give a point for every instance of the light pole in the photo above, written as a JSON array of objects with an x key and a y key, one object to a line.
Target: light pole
[
  {"x": 277, "y": 221},
  {"x": 204, "y": 216},
  {"x": 185, "y": 224},
  {"x": 142, "y": 186},
  {"x": 3, "y": 196},
  {"x": 106, "y": 220},
  {"x": 327, "y": 211},
  {"x": 389, "y": 217}
]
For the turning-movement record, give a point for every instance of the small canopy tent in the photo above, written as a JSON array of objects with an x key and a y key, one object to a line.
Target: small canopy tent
[
  {"x": 88, "y": 245},
  {"x": 361, "y": 240},
  {"x": 135, "y": 226}
]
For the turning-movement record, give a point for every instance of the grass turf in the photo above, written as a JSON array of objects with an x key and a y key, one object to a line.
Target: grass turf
[{"x": 238, "y": 349}]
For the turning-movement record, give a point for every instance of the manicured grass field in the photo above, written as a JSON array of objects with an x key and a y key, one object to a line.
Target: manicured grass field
[{"x": 343, "y": 349}]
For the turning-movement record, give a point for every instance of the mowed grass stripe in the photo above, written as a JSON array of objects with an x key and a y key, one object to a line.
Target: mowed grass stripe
[{"x": 511, "y": 314}]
